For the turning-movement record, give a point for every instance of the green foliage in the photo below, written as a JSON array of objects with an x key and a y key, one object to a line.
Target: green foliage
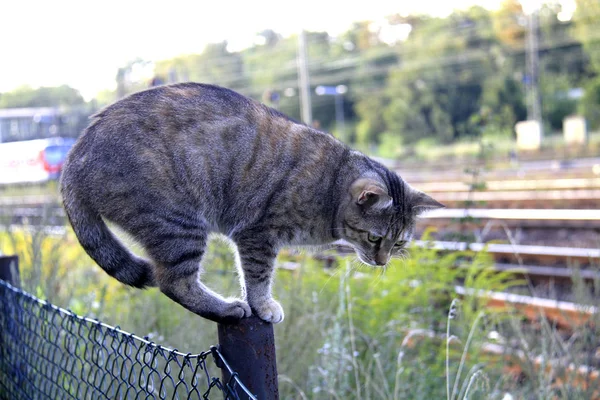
[
  {"x": 566, "y": 363},
  {"x": 449, "y": 79},
  {"x": 214, "y": 65},
  {"x": 503, "y": 103},
  {"x": 435, "y": 91},
  {"x": 589, "y": 106},
  {"x": 454, "y": 78},
  {"x": 585, "y": 29},
  {"x": 371, "y": 126},
  {"x": 41, "y": 97},
  {"x": 557, "y": 105},
  {"x": 377, "y": 333},
  {"x": 390, "y": 145},
  {"x": 343, "y": 328},
  {"x": 353, "y": 332}
]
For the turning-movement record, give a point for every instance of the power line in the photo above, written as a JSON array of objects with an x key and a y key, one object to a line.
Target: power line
[
  {"x": 393, "y": 60},
  {"x": 291, "y": 65}
]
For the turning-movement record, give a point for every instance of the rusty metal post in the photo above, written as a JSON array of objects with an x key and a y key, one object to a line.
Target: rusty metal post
[
  {"x": 249, "y": 348},
  {"x": 9, "y": 270}
]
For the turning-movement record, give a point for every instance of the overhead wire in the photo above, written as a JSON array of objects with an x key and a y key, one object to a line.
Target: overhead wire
[{"x": 391, "y": 59}]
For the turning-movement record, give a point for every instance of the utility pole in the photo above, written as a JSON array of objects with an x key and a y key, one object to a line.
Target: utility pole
[
  {"x": 534, "y": 109},
  {"x": 304, "y": 80}
]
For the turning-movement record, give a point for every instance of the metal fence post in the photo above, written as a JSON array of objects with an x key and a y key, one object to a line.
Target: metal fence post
[
  {"x": 249, "y": 348},
  {"x": 9, "y": 270}
]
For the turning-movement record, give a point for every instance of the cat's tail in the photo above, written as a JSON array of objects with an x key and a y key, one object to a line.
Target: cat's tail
[{"x": 102, "y": 245}]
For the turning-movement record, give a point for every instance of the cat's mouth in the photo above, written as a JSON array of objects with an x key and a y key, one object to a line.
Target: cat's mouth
[
  {"x": 366, "y": 260},
  {"x": 361, "y": 256}
]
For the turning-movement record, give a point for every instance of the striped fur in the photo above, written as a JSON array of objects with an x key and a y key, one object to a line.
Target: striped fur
[{"x": 171, "y": 164}]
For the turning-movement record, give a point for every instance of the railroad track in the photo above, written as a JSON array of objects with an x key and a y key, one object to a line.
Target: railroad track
[
  {"x": 586, "y": 219},
  {"x": 543, "y": 184},
  {"x": 543, "y": 199},
  {"x": 546, "y": 216},
  {"x": 504, "y": 253},
  {"x": 550, "y": 273},
  {"x": 565, "y": 314},
  {"x": 575, "y": 168},
  {"x": 506, "y": 185},
  {"x": 29, "y": 200},
  {"x": 563, "y": 370},
  {"x": 557, "y": 192},
  {"x": 538, "y": 263},
  {"x": 449, "y": 174},
  {"x": 520, "y": 256}
]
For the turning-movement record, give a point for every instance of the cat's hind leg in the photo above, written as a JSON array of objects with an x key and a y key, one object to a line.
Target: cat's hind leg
[{"x": 178, "y": 269}]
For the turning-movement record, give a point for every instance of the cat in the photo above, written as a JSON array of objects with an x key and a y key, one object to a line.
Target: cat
[{"x": 173, "y": 163}]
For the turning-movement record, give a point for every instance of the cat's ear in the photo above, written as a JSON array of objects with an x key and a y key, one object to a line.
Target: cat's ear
[
  {"x": 421, "y": 202},
  {"x": 370, "y": 193}
]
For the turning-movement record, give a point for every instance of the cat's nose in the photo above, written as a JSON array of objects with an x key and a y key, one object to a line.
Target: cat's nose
[{"x": 381, "y": 259}]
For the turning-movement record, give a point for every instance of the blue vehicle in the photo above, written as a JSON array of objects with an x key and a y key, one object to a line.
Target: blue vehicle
[{"x": 32, "y": 161}]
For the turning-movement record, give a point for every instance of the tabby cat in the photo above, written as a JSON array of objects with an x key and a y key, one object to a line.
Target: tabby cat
[{"x": 171, "y": 164}]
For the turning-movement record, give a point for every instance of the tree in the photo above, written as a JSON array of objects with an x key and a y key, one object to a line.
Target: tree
[
  {"x": 510, "y": 24},
  {"x": 26, "y": 96},
  {"x": 439, "y": 83},
  {"x": 437, "y": 78},
  {"x": 214, "y": 65},
  {"x": 586, "y": 24},
  {"x": 586, "y": 28},
  {"x": 373, "y": 60}
]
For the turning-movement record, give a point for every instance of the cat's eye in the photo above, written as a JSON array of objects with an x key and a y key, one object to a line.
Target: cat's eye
[
  {"x": 373, "y": 238},
  {"x": 400, "y": 243}
]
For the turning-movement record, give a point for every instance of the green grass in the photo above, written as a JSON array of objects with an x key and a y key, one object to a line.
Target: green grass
[
  {"x": 343, "y": 332},
  {"x": 351, "y": 332}
]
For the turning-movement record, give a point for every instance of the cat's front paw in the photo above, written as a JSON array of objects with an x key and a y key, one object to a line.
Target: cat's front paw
[
  {"x": 269, "y": 310},
  {"x": 233, "y": 311}
]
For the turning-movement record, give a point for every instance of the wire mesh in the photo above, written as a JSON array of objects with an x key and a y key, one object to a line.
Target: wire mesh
[{"x": 47, "y": 352}]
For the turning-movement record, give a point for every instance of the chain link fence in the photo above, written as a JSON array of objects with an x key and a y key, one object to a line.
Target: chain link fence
[{"x": 47, "y": 352}]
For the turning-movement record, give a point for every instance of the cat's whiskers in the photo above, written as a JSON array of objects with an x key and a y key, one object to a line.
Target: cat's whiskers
[
  {"x": 404, "y": 254},
  {"x": 335, "y": 272},
  {"x": 356, "y": 264},
  {"x": 379, "y": 277}
]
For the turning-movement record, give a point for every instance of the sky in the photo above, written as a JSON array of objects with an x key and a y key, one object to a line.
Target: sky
[{"x": 82, "y": 43}]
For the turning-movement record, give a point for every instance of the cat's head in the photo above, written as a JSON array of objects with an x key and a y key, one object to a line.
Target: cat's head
[{"x": 379, "y": 219}]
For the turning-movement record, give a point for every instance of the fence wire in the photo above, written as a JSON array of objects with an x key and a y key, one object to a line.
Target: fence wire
[{"x": 47, "y": 352}]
